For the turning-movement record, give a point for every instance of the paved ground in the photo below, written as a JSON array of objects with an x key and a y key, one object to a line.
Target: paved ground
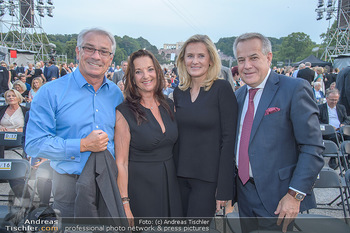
[{"x": 322, "y": 196}]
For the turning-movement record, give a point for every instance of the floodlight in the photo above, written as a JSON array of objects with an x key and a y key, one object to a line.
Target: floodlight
[
  {"x": 40, "y": 10},
  {"x": 320, "y": 3},
  {"x": 49, "y": 2},
  {"x": 11, "y": 1},
  {"x": 49, "y": 11},
  {"x": 330, "y": 3},
  {"x": 319, "y": 14},
  {"x": 12, "y": 10},
  {"x": 41, "y": 2}
]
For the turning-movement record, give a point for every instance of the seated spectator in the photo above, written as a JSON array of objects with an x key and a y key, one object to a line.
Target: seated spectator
[
  {"x": 12, "y": 114},
  {"x": 318, "y": 94},
  {"x": 334, "y": 114},
  {"x": 331, "y": 87},
  {"x": 120, "y": 84},
  {"x": 36, "y": 84},
  {"x": 21, "y": 88},
  {"x": 23, "y": 78}
]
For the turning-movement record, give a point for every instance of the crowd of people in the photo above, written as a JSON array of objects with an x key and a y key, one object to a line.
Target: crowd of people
[{"x": 185, "y": 142}]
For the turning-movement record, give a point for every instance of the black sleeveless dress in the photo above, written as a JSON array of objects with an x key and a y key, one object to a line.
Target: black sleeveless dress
[{"x": 152, "y": 186}]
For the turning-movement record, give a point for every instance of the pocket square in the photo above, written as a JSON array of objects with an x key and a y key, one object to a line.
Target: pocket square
[{"x": 271, "y": 110}]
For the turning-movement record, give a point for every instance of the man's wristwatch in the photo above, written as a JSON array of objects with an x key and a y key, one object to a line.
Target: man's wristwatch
[{"x": 296, "y": 195}]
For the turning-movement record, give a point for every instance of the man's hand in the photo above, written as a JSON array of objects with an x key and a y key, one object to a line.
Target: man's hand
[
  {"x": 287, "y": 209},
  {"x": 96, "y": 141}
]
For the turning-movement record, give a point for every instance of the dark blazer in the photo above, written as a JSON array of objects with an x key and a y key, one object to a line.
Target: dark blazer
[
  {"x": 4, "y": 107},
  {"x": 307, "y": 74},
  {"x": 4, "y": 78},
  {"x": 343, "y": 85},
  {"x": 286, "y": 142},
  {"x": 341, "y": 111},
  {"x": 97, "y": 189}
]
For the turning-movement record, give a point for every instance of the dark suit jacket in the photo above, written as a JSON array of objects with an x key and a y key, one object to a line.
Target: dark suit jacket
[
  {"x": 97, "y": 190},
  {"x": 343, "y": 85},
  {"x": 341, "y": 111},
  {"x": 117, "y": 76},
  {"x": 4, "y": 78},
  {"x": 307, "y": 74},
  {"x": 285, "y": 146}
]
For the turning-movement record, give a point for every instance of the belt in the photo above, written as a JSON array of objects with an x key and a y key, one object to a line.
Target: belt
[{"x": 72, "y": 175}]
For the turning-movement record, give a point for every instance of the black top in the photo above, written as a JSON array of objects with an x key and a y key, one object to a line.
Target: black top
[
  {"x": 152, "y": 185},
  {"x": 37, "y": 73},
  {"x": 307, "y": 74},
  {"x": 207, "y": 132}
]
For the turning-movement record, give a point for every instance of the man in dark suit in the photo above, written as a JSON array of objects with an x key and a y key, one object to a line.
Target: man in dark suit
[
  {"x": 307, "y": 73},
  {"x": 334, "y": 114},
  {"x": 343, "y": 85},
  {"x": 118, "y": 75},
  {"x": 279, "y": 142}
]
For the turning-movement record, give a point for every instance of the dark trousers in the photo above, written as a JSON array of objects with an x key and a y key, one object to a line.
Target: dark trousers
[
  {"x": 252, "y": 213},
  {"x": 63, "y": 188},
  {"x": 198, "y": 197}
]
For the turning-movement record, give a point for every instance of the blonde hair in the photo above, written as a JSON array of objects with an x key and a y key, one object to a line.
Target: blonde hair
[
  {"x": 38, "y": 65},
  {"x": 17, "y": 94},
  {"x": 319, "y": 70},
  {"x": 21, "y": 84},
  {"x": 40, "y": 80},
  {"x": 213, "y": 71}
]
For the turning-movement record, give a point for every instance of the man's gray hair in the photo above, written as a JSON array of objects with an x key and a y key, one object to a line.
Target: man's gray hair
[
  {"x": 83, "y": 33},
  {"x": 123, "y": 63},
  {"x": 301, "y": 66},
  {"x": 266, "y": 44},
  {"x": 333, "y": 91},
  {"x": 308, "y": 64}
]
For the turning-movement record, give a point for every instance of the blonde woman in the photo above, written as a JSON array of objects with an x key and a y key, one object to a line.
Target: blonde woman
[
  {"x": 36, "y": 84},
  {"x": 206, "y": 114}
]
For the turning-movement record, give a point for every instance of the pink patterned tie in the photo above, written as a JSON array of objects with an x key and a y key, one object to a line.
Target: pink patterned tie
[{"x": 243, "y": 161}]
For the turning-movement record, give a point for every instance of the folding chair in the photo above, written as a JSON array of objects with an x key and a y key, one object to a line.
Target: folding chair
[
  {"x": 320, "y": 224},
  {"x": 332, "y": 151},
  {"x": 345, "y": 131},
  {"x": 11, "y": 169},
  {"x": 345, "y": 149},
  {"x": 347, "y": 182},
  {"x": 328, "y": 178},
  {"x": 12, "y": 140},
  {"x": 328, "y": 130}
]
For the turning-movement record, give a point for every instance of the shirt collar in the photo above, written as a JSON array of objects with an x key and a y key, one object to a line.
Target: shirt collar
[
  {"x": 335, "y": 107},
  {"x": 263, "y": 83},
  {"x": 79, "y": 78}
]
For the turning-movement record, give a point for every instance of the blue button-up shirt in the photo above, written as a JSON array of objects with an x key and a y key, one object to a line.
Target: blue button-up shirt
[{"x": 63, "y": 112}]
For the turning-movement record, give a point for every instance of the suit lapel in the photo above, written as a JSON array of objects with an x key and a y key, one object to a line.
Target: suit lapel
[{"x": 269, "y": 92}]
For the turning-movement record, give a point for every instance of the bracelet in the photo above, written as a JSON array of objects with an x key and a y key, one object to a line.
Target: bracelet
[
  {"x": 125, "y": 202},
  {"x": 124, "y": 199}
]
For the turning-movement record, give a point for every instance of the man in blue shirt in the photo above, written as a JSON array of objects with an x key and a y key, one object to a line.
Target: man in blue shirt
[{"x": 75, "y": 115}]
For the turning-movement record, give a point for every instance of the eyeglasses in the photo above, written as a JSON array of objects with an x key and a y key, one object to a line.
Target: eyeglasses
[{"x": 90, "y": 51}]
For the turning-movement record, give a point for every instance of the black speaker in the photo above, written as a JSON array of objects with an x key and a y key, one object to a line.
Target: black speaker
[{"x": 26, "y": 8}]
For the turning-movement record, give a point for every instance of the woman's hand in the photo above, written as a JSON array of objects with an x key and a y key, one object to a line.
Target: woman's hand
[
  {"x": 129, "y": 214},
  {"x": 2, "y": 128}
]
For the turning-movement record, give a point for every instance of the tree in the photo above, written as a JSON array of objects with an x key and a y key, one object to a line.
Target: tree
[{"x": 295, "y": 47}]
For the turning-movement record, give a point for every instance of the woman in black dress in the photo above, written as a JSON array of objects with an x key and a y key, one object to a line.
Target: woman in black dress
[
  {"x": 145, "y": 134},
  {"x": 206, "y": 114}
]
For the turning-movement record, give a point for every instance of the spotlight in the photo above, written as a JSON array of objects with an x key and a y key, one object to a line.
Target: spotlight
[
  {"x": 330, "y": 3},
  {"x": 40, "y": 10},
  {"x": 12, "y": 10},
  {"x": 41, "y": 2},
  {"x": 2, "y": 10},
  {"x": 49, "y": 2},
  {"x": 320, "y": 3},
  {"x": 319, "y": 14},
  {"x": 330, "y": 13},
  {"x": 49, "y": 12},
  {"x": 11, "y": 1}
]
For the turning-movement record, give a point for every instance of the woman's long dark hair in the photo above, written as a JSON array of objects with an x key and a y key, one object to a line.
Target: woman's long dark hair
[{"x": 132, "y": 94}]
